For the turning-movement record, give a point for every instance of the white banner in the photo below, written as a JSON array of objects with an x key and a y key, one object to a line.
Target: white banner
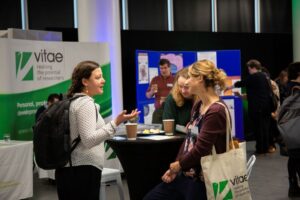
[{"x": 31, "y": 70}]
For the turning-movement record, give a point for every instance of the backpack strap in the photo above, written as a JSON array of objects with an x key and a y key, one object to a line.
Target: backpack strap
[
  {"x": 295, "y": 89},
  {"x": 76, "y": 141},
  {"x": 74, "y": 144}
]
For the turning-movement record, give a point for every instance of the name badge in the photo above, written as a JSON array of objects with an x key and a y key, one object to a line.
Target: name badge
[{"x": 169, "y": 84}]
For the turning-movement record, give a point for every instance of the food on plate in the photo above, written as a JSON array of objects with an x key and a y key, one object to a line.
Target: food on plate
[
  {"x": 146, "y": 131},
  {"x": 151, "y": 131}
]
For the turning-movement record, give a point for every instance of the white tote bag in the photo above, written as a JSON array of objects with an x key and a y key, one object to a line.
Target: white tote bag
[{"x": 225, "y": 174}]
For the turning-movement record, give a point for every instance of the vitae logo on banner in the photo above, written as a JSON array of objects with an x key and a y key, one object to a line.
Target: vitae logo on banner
[
  {"x": 220, "y": 188},
  {"x": 24, "y": 71},
  {"x": 43, "y": 65}
]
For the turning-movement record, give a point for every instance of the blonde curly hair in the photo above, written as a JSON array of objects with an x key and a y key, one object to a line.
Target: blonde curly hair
[
  {"x": 212, "y": 76},
  {"x": 177, "y": 96}
]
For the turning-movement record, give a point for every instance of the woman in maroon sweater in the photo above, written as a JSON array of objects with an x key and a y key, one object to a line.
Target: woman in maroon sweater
[{"x": 206, "y": 129}]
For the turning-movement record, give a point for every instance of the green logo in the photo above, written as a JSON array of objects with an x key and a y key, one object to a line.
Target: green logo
[
  {"x": 24, "y": 71},
  {"x": 113, "y": 154},
  {"x": 219, "y": 188}
]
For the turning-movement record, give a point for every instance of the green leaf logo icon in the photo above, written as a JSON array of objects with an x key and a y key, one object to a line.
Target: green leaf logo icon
[
  {"x": 24, "y": 71},
  {"x": 219, "y": 188},
  {"x": 112, "y": 154}
]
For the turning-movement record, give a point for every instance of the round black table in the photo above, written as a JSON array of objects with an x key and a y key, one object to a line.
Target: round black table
[{"x": 145, "y": 161}]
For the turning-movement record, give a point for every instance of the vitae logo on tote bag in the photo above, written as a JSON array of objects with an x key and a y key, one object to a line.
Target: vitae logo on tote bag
[
  {"x": 24, "y": 71},
  {"x": 219, "y": 188}
]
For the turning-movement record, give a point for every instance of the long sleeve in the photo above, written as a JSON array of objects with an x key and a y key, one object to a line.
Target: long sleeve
[
  {"x": 213, "y": 132},
  {"x": 169, "y": 108},
  {"x": 92, "y": 133},
  {"x": 239, "y": 84}
]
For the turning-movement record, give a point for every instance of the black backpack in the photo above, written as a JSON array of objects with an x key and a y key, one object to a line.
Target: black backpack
[
  {"x": 51, "y": 136},
  {"x": 289, "y": 122}
]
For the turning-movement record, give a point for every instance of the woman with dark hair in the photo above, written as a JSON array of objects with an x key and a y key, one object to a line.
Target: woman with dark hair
[
  {"x": 207, "y": 128},
  {"x": 82, "y": 179},
  {"x": 274, "y": 133}
]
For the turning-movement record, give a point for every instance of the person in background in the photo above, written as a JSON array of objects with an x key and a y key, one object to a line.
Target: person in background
[
  {"x": 183, "y": 180},
  {"x": 82, "y": 179},
  {"x": 294, "y": 159},
  {"x": 160, "y": 87},
  {"x": 52, "y": 98},
  {"x": 274, "y": 132},
  {"x": 282, "y": 81},
  {"x": 258, "y": 96},
  {"x": 179, "y": 102}
]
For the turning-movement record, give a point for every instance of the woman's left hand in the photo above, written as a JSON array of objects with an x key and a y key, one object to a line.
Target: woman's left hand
[
  {"x": 175, "y": 167},
  {"x": 168, "y": 177}
]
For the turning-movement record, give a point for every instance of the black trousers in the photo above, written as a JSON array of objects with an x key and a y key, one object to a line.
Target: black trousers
[
  {"x": 274, "y": 133},
  {"x": 293, "y": 169},
  {"x": 78, "y": 183},
  {"x": 181, "y": 188},
  {"x": 261, "y": 128}
]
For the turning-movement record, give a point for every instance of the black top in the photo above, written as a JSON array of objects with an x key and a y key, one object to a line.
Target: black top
[
  {"x": 258, "y": 91},
  {"x": 181, "y": 114},
  {"x": 39, "y": 112},
  {"x": 283, "y": 91}
]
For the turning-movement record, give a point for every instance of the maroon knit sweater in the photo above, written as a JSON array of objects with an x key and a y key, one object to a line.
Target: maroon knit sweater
[{"x": 212, "y": 132}]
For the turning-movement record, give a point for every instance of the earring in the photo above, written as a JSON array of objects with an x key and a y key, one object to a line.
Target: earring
[{"x": 86, "y": 90}]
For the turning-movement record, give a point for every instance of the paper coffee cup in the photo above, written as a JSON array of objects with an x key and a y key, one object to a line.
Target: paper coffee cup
[
  {"x": 131, "y": 130},
  {"x": 169, "y": 126}
]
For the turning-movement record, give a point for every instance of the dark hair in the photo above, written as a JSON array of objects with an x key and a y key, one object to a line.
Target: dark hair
[
  {"x": 83, "y": 70},
  {"x": 294, "y": 70},
  {"x": 52, "y": 97},
  {"x": 266, "y": 71},
  {"x": 254, "y": 64},
  {"x": 164, "y": 61},
  {"x": 282, "y": 75}
]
